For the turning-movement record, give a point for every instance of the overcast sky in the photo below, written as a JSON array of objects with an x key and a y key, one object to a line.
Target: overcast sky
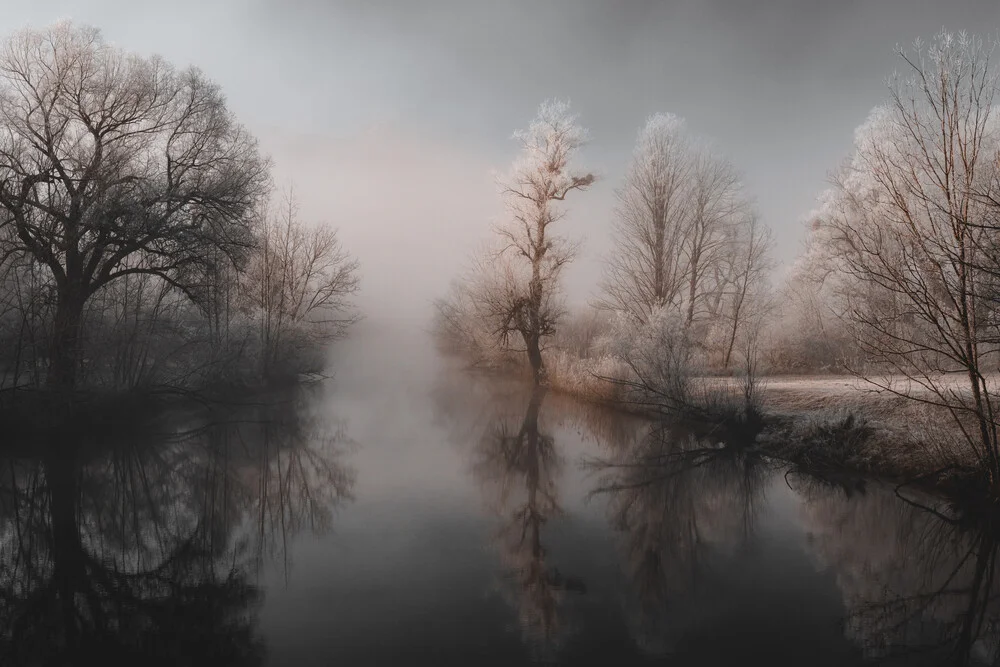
[{"x": 388, "y": 117}]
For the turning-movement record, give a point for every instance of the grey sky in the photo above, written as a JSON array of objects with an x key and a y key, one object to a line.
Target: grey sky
[{"x": 389, "y": 116}]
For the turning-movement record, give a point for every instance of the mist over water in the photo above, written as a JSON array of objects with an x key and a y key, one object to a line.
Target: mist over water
[{"x": 710, "y": 559}]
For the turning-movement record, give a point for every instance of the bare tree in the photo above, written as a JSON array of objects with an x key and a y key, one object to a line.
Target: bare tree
[
  {"x": 750, "y": 266},
  {"x": 459, "y": 327},
  {"x": 522, "y": 298},
  {"x": 716, "y": 202},
  {"x": 689, "y": 251},
  {"x": 806, "y": 330},
  {"x": 113, "y": 164},
  {"x": 298, "y": 284},
  {"x": 908, "y": 221},
  {"x": 645, "y": 271},
  {"x": 679, "y": 214}
]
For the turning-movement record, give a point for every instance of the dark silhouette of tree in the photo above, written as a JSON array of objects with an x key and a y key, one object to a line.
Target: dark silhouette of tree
[
  {"x": 111, "y": 165},
  {"x": 138, "y": 549}
]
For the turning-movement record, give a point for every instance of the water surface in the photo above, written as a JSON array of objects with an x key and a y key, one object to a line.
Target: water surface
[{"x": 405, "y": 513}]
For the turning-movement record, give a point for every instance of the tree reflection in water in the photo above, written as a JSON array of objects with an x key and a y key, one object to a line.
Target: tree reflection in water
[
  {"x": 519, "y": 462},
  {"x": 919, "y": 587},
  {"x": 916, "y": 587},
  {"x": 147, "y": 546},
  {"x": 674, "y": 499}
]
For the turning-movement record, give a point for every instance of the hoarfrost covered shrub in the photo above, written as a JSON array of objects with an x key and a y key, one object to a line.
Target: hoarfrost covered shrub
[
  {"x": 659, "y": 357},
  {"x": 464, "y": 324}
]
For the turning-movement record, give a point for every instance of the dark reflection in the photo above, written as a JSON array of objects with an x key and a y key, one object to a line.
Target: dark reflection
[
  {"x": 676, "y": 502},
  {"x": 147, "y": 546},
  {"x": 919, "y": 586},
  {"x": 724, "y": 557},
  {"x": 520, "y": 461}
]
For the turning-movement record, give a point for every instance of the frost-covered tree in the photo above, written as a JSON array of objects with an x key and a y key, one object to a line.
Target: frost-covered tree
[
  {"x": 910, "y": 224},
  {"x": 646, "y": 269},
  {"x": 806, "y": 330},
  {"x": 688, "y": 246},
  {"x": 532, "y": 253},
  {"x": 747, "y": 298},
  {"x": 511, "y": 292},
  {"x": 719, "y": 209}
]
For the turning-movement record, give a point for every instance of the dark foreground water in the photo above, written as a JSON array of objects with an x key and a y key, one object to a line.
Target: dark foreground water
[{"x": 404, "y": 515}]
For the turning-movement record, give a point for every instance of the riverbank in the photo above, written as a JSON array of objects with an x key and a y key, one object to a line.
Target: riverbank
[{"x": 841, "y": 428}]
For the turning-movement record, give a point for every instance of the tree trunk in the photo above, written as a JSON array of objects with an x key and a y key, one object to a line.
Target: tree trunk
[
  {"x": 731, "y": 344},
  {"x": 737, "y": 307},
  {"x": 692, "y": 287},
  {"x": 65, "y": 346},
  {"x": 535, "y": 325},
  {"x": 659, "y": 277},
  {"x": 535, "y": 357}
]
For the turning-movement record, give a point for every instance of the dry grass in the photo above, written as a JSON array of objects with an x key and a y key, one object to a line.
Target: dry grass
[
  {"x": 585, "y": 378},
  {"x": 840, "y": 425},
  {"x": 795, "y": 396}
]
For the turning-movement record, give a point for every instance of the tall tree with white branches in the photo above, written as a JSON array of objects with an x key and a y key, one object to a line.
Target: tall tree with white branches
[{"x": 511, "y": 291}]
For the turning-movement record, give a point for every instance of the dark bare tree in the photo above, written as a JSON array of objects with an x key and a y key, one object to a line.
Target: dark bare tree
[{"x": 114, "y": 164}]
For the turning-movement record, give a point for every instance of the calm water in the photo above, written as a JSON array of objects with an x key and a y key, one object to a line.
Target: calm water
[{"x": 405, "y": 514}]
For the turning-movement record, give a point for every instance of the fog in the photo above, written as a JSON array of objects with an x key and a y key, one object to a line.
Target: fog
[{"x": 389, "y": 117}]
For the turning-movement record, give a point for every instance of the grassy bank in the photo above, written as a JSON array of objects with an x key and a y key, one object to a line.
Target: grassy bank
[{"x": 834, "y": 427}]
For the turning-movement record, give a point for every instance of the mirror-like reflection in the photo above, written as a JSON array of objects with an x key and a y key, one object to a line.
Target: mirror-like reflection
[
  {"x": 144, "y": 541},
  {"x": 520, "y": 461},
  {"x": 674, "y": 499},
  {"x": 670, "y": 534},
  {"x": 510, "y": 526},
  {"x": 919, "y": 587},
  {"x": 725, "y": 554}
]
